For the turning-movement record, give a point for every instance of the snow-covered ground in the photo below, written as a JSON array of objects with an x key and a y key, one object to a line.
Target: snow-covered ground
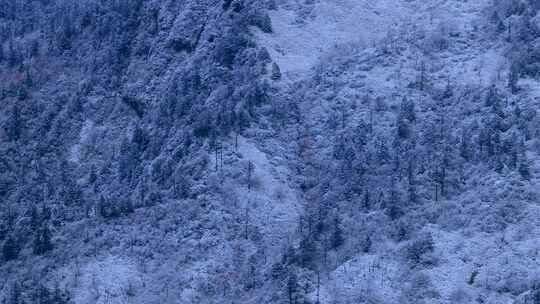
[
  {"x": 86, "y": 131},
  {"x": 275, "y": 202},
  {"x": 365, "y": 276},
  {"x": 111, "y": 280},
  {"x": 298, "y": 42},
  {"x": 301, "y": 36}
]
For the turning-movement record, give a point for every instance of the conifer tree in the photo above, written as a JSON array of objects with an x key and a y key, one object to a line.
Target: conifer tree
[
  {"x": 276, "y": 72},
  {"x": 42, "y": 240},
  {"x": 10, "y": 249}
]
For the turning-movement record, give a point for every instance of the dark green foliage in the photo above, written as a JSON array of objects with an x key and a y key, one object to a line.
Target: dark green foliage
[
  {"x": 293, "y": 289},
  {"x": 418, "y": 251},
  {"x": 524, "y": 169},
  {"x": 276, "y": 73},
  {"x": 15, "y": 294},
  {"x": 492, "y": 97},
  {"x": 65, "y": 34},
  {"x": 134, "y": 104},
  {"x": 131, "y": 152},
  {"x": 14, "y": 125},
  {"x": 226, "y": 4},
  {"x": 403, "y": 129},
  {"x": 472, "y": 278},
  {"x": 42, "y": 240},
  {"x": 394, "y": 206},
  {"x": 466, "y": 150},
  {"x": 14, "y": 56},
  {"x": 366, "y": 244},
  {"x": 536, "y": 296},
  {"x": 10, "y": 248},
  {"x": 181, "y": 45},
  {"x": 263, "y": 22},
  {"x": 366, "y": 201},
  {"x": 114, "y": 208},
  {"x": 513, "y": 77},
  {"x": 35, "y": 219},
  {"x": 407, "y": 110},
  {"x": 337, "y": 238},
  {"x": 44, "y": 295},
  {"x": 307, "y": 252},
  {"x": 228, "y": 47}
]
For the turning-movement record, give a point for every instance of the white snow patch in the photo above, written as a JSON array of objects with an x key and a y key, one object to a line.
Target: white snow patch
[
  {"x": 299, "y": 42},
  {"x": 296, "y": 47},
  {"x": 365, "y": 276},
  {"x": 485, "y": 69},
  {"x": 112, "y": 280},
  {"x": 75, "y": 151},
  {"x": 532, "y": 89},
  {"x": 271, "y": 196}
]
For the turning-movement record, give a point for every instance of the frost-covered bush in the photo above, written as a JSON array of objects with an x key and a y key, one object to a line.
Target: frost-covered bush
[
  {"x": 439, "y": 39},
  {"x": 459, "y": 296},
  {"x": 419, "y": 251},
  {"x": 419, "y": 289}
]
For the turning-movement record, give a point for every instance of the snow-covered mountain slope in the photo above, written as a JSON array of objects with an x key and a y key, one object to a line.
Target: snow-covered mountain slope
[
  {"x": 302, "y": 33},
  {"x": 273, "y": 190},
  {"x": 276, "y": 151},
  {"x": 345, "y": 57}
]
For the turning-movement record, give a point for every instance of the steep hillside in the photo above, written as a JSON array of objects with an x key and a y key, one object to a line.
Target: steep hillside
[
  {"x": 111, "y": 114},
  {"x": 281, "y": 151},
  {"x": 416, "y": 145}
]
